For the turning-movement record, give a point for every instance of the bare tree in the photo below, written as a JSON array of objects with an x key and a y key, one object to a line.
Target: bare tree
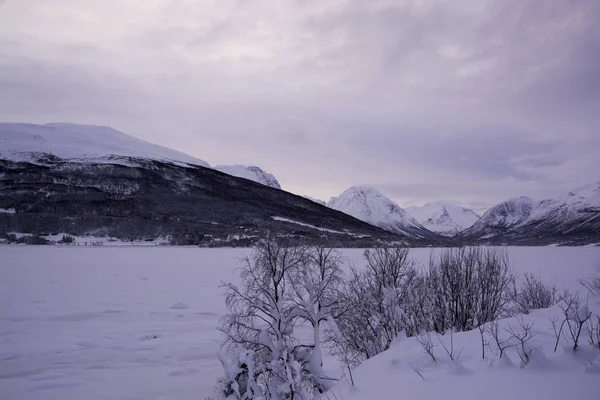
[
  {"x": 260, "y": 325},
  {"x": 316, "y": 296}
]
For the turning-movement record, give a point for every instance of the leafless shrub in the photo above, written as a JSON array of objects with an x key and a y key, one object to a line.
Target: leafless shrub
[
  {"x": 593, "y": 328},
  {"x": 534, "y": 294},
  {"x": 417, "y": 371},
  {"x": 449, "y": 348},
  {"x": 470, "y": 286},
  {"x": 484, "y": 343},
  {"x": 575, "y": 317},
  {"x": 494, "y": 331},
  {"x": 593, "y": 282},
  {"x": 557, "y": 325},
  {"x": 522, "y": 336},
  {"x": 373, "y": 302},
  {"x": 424, "y": 339}
]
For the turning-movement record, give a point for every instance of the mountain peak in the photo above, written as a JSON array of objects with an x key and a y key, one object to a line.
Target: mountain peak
[
  {"x": 77, "y": 142},
  {"x": 368, "y": 204},
  {"x": 444, "y": 218},
  {"x": 572, "y": 218},
  {"x": 251, "y": 172}
]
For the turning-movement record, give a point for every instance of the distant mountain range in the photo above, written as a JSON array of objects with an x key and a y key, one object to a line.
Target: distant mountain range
[
  {"x": 443, "y": 218},
  {"x": 85, "y": 179},
  {"x": 571, "y": 218}
]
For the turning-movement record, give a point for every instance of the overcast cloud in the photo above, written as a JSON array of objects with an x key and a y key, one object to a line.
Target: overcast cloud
[{"x": 471, "y": 101}]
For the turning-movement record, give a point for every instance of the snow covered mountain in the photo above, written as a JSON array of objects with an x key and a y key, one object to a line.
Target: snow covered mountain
[
  {"x": 253, "y": 173},
  {"x": 369, "y": 205},
  {"x": 318, "y": 201},
  {"x": 87, "y": 143},
  {"x": 571, "y": 218},
  {"x": 33, "y": 143},
  {"x": 445, "y": 219}
]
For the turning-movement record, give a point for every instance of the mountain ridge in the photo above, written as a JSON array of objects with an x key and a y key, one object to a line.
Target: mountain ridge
[
  {"x": 369, "y": 205},
  {"x": 571, "y": 218},
  {"x": 443, "y": 218}
]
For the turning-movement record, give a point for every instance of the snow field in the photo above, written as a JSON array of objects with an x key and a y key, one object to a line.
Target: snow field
[{"x": 140, "y": 323}]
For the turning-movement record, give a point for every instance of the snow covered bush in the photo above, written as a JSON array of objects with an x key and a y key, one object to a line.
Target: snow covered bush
[
  {"x": 281, "y": 286},
  {"x": 469, "y": 287},
  {"x": 534, "y": 294},
  {"x": 373, "y": 302}
]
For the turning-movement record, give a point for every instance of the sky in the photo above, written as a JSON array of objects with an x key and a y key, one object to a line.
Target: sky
[{"x": 466, "y": 101}]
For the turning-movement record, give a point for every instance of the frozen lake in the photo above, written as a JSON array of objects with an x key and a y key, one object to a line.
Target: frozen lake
[{"x": 139, "y": 323}]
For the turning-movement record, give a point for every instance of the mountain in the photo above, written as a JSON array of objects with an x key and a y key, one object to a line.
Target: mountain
[
  {"x": 250, "y": 172},
  {"x": 89, "y": 180},
  {"x": 29, "y": 142},
  {"x": 445, "y": 219},
  {"x": 318, "y": 201},
  {"x": 573, "y": 218},
  {"x": 369, "y": 205}
]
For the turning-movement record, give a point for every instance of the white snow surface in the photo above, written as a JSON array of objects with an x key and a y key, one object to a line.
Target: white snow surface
[
  {"x": 252, "y": 173},
  {"x": 291, "y": 221},
  {"x": 371, "y": 206},
  {"x": 26, "y": 142},
  {"x": 405, "y": 371},
  {"x": 138, "y": 323},
  {"x": 444, "y": 218}
]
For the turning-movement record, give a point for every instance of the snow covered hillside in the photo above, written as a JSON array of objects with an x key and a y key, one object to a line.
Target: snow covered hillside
[
  {"x": 369, "y": 205},
  {"x": 91, "y": 143},
  {"x": 573, "y": 216},
  {"x": 405, "y": 370},
  {"x": 30, "y": 142},
  {"x": 253, "y": 173},
  {"x": 443, "y": 218}
]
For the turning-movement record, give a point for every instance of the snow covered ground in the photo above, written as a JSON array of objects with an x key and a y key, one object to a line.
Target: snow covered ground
[{"x": 139, "y": 323}]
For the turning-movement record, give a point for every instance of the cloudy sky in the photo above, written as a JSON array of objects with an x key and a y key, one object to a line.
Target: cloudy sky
[{"x": 470, "y": 101}]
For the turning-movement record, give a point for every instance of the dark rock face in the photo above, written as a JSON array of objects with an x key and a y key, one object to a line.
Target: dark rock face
[{"x": 140, "y": 198}]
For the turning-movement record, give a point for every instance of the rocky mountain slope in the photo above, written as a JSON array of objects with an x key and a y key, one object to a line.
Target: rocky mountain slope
[
  {"x": 443, "y": 218},
  {"x": 369, "y": 205}
]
